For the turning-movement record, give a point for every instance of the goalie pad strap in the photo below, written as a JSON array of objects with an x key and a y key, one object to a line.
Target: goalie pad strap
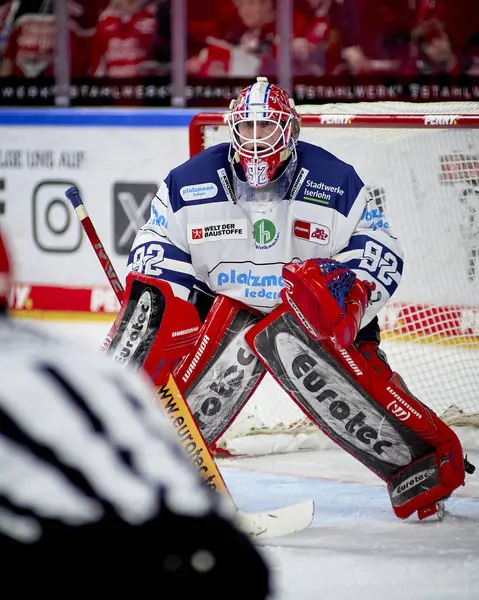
[{"x": 378, "y": 423}]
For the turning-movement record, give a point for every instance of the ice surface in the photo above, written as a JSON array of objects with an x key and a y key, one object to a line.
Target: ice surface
[{"x": 356, "y": 549}]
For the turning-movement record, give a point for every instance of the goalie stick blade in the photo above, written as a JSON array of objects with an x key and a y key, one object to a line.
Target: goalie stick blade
[{"x": 278, "y": 522}]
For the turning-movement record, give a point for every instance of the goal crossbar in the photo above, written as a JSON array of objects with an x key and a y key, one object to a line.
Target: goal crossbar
[{"x": 380, "y": 121}]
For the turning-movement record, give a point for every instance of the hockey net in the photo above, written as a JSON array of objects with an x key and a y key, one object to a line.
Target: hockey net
[{"x": 421, "y": 165}]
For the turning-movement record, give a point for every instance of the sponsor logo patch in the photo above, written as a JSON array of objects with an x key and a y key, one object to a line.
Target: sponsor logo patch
[
  {"x": 225, "y": 182},
  {"x": 320, "y": 192},
  {"x": 184, "y": 331},
  {"x": 341, "y": 409},
  {"x": 376, "y": 217},
  {"x": 157, "y": 219},
  {"x": 265, "y": 234},
  {"x": 216, "y": 231},
  {"x": 413, "y": 481},
  {"x": 257, "y": 283},
  {"x": 312, "y": 232},
  {"x": 199, "y": 191}
]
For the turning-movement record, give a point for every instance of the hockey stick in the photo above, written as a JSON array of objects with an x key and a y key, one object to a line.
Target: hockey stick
[
  {"x": 73, "y": 194},
  {"x": 272, "y": 523},
  {"x": 269, "y": 524}
]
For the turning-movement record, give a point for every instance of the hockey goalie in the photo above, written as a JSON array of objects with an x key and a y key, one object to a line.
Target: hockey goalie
[{"x": 264, "y": 255}]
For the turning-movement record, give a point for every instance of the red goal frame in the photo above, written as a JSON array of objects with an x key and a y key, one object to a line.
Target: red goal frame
[{"x": 385, "y": 121}]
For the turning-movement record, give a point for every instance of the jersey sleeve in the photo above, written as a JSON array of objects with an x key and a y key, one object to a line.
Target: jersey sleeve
[
  {"x": 161, "y": 250},
  {"x": 371, "y": 251}
]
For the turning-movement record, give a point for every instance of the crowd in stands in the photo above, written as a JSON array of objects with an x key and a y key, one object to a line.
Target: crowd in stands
[{"x": 238, "y": 38}]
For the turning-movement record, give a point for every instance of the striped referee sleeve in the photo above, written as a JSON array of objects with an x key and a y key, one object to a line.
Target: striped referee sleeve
[{"x": 90, "y": 441}]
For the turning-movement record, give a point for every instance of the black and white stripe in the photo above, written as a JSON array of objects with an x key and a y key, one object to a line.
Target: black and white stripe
[{"x": 83, "y": 440}]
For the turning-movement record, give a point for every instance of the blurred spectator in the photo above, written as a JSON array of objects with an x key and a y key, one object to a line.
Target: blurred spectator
[
  {"x": 30, "y": 45},
  {"x": 326, "y": 38},
  {"x": 221, "y": 16},
  {"x": 385, "y": 32},
  {"x": 461, "y": 17},
  {"x": 245, "y": 48},
  {"x": 8, "y": 9},
  {"x": 84, "y": 16},
  {"x": 471, "y": 56},
  {"x": 4, "y": 8},
  {"x": 238, "y": 38},
  {"x": 124, "y": 40},
  {"x": 435, "y": 53}
]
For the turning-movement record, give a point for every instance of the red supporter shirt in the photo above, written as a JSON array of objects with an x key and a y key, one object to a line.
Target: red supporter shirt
[
  {"x": 460, "y": 17},
  {"x": 31, "y": 45},
  {"x": 123, "y": 44}
]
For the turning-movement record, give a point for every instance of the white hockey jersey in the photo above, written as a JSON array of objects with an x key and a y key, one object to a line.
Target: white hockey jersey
[{"x": 199, "y": 236}]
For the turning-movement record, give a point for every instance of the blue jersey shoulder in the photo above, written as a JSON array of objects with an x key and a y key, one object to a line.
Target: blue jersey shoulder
[
  {"x": 197, "y": 180},
  {"x": 329, "y": 181}
]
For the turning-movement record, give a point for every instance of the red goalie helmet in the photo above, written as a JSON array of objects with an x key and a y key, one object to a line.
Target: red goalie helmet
[
  {"x": 264, "y": 128},
  {"x": 5, "y": 273}
]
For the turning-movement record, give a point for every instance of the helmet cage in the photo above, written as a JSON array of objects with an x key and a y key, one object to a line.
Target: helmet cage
[
  {"x": 269, "y": 136},
  {"x": 277, "y": 140}
]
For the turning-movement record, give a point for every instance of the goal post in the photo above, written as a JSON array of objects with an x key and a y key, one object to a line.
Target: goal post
[{"x": 420, "y": 163}]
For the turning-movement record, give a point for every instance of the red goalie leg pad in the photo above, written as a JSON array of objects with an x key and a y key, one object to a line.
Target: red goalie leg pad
[
  {"x": 217, "y": 322},
  {"x": 419, "y": 486},
  {"x": 154, "y": 328},
  {"x": 428, "y": 479},
  {"x": 366, "y": 409},
  {"x": 445, "y": 466},
  {"x": 220, "y": 372}
]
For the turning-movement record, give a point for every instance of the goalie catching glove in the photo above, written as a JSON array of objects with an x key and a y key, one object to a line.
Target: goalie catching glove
[{"x": 327, "y": 298}]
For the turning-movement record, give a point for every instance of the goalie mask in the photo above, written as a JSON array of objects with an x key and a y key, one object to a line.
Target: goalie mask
[{"x": 264, "y": 128}]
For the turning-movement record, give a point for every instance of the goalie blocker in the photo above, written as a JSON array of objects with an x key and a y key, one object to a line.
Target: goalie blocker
[{"x": 353, "y": 397}]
